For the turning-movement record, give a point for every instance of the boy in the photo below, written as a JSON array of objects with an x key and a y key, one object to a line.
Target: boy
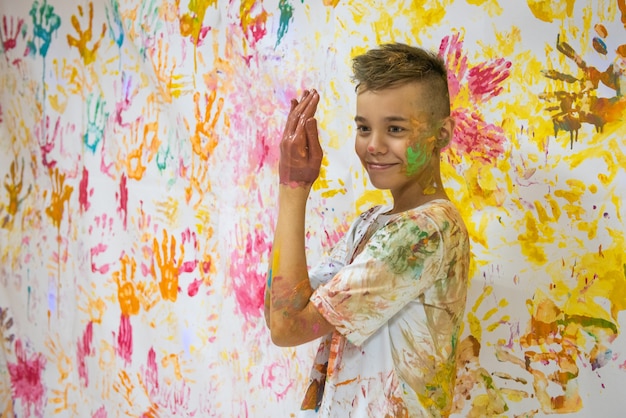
[{"x": 389, "y": 299}]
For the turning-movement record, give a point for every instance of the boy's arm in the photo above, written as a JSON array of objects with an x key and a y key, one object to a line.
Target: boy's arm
[{"x": 292, "y": 319}]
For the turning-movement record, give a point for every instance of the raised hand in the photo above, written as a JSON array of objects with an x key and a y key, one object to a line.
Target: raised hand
[{"x": 300, "y": 150}]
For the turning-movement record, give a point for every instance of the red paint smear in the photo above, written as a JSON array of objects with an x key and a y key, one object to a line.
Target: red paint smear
[
  {"x": 125, "y": 339},
  {"x": 253, "y": 26},
  {"x": 151, "y": 373},
  {"x": 473, "y": 135},
  {"x": 94, "y": 251},
  {"x": 122, "y": 197},
  {"x": 188, "y": 266},
  {"x": 275, "y": 376},
  {"x": 11, "y": 31},
  {"x": 486, "y": 78},
  {"x": 26, "y": 379},
  {"x": 83, "y": 349},
  {"x": 263, "y": 153},
  {"x": 100, "y": 413},
  {"x": 194, "y": 287},
  {"x": 248, "y": 283},
  {"x": 83, "y": 195}
]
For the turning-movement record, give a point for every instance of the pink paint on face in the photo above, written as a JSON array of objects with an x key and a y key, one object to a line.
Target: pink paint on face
[
  {"x": 83, "y": 349},
  {"x": 26, "y": 381},
  {"x": 125, "y": 339}
]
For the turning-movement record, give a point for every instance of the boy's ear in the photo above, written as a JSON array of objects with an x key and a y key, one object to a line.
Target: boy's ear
[{"x": 445, "y": 132}]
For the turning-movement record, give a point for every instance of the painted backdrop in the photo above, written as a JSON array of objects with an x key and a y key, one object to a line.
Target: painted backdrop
[{"x": 138, "y": 166}]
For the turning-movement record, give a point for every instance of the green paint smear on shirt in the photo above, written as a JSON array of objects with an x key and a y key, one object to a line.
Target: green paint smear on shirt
[{"x": 416, "y": 158}]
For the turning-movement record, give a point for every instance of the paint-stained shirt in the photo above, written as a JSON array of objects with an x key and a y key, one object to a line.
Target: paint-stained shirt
[{"x": 394, "y": 288}]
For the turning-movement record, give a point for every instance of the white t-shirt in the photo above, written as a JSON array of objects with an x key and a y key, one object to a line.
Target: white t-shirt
[{"x": 395, "y": 293}]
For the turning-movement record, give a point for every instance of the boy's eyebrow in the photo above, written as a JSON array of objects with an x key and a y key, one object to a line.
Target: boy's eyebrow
[{"x": 387, "y": 119}]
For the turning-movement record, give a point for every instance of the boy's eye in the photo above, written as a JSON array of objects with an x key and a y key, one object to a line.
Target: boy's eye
[
  {"x": 362, "y": 128},
  {"x": 396, "y": 129}
]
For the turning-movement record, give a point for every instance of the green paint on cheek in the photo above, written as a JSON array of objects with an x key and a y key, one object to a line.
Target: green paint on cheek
[{"x": 416, "y": 158}]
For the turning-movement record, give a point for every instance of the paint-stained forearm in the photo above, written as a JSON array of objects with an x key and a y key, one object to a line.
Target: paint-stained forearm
[
  {"x": 288, "y": 284},
  {"x": 288, "y": 313}
]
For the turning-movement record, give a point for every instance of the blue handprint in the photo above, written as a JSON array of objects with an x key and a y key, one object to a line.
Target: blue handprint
[
  {"x": 45, "y": 22},
  {"x": 96, "y": 121}
]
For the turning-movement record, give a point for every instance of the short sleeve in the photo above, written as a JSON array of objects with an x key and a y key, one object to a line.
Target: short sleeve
[{"x": 398, "y": 263}]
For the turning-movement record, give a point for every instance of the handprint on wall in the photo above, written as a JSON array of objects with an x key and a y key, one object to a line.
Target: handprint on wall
[
  {"x": 167, "y": 263},
  {"x": 13, "y": 30},
  {"x": 470, "y": 87},
  {"x": 83, "y": 37},
  {"x": 45, "y": 23},
  {"x": 14, "y": 186},
  {"x": 578, "y": 102}
]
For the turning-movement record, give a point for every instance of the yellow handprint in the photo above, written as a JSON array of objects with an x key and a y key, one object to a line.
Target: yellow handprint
[{"x": 84, "y": 37}]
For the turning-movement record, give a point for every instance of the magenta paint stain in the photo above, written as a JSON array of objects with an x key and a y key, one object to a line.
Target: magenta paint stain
[
  {"x": 151, "y": 373},
  {"x": 26, "y": 383},
  {"x": 47, "y": 140},
  {"x": 11, "y": 29},
  {"x": 125, "y": 339},
  {"x": 122, "y": 198},
  {"x": 276, "y": 377},
  {"x": 84, "y": 193},
  {"x": 100, "y": 413},
  {"x": 473, "y": 135},
  {"x": 84, "y": 349},
  {"x": 194, "y": 287},
  {"x": 248, "y": 283}
]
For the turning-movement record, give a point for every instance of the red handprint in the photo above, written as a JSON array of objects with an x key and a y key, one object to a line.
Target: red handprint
[{"x": 11, "y": 29}]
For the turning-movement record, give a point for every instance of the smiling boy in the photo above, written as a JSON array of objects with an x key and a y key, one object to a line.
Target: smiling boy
[{"x": 388, "y": 300}]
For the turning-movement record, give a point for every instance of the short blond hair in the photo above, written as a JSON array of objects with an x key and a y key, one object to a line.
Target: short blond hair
[{"x": 395, "y": 64}]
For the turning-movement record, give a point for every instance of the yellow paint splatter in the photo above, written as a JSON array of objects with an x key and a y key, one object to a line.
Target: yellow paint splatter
[{"x": 550, "y": 10}]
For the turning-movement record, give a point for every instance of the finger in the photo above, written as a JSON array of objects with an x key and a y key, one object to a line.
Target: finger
[
  {"x": 311, "y": 105},
  {"x": 312, "y": 140},
  {"x": 292, "y": 118}
]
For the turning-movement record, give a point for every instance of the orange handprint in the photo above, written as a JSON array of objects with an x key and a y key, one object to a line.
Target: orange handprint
[
  {"x": 60, "y": 194},
  {"x": 204, "y": 138},
  {"x": 168, "y": 266},
  {"x": 84, "y": 37},
  {"x": 129, "y": 303},
  {"x": 168, "y": 83}
]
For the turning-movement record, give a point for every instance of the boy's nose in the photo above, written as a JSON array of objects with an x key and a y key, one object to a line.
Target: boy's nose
[{"x": 376, "y": 144}]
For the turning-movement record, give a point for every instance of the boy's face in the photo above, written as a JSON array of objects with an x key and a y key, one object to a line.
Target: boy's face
[{"x": 396, "y": 138}]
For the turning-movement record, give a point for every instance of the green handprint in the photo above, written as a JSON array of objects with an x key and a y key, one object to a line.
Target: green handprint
[
  {"x": 114, "y": 18},
  {"x": 45, "y": 22},
  {"x": 97, "y": 117}
]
